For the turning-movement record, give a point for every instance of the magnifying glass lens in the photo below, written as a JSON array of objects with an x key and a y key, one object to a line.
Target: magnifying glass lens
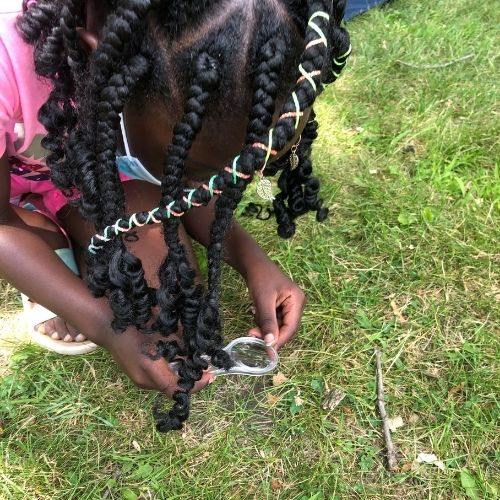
[{"x": 251, "y": 355}]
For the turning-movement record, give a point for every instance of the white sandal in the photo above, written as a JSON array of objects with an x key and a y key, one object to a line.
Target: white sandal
[{"x": 35, "y": 314}]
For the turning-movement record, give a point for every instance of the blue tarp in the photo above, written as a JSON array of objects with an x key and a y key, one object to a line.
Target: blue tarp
[{"x": 355, "y": 7}]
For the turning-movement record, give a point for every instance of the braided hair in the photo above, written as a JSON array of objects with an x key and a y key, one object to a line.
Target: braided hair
[{"x": 82, "y": 118}]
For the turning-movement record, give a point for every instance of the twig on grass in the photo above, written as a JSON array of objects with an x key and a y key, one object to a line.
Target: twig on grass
[
  {"x": 436, "y": 66},
  {"x": 392, "y": 462}
]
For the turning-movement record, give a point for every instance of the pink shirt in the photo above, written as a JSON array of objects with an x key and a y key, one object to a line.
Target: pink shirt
[{"x": 22, "y": 93}]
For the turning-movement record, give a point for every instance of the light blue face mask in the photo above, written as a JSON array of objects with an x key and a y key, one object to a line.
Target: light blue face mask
[{"x": 130, "y": 165}]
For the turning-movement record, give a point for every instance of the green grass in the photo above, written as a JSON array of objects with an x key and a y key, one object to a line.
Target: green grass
[{"x": 408, "y": 160}]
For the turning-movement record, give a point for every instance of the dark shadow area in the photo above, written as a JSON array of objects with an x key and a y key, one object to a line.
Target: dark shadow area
[{"x": 356, "y": 7}]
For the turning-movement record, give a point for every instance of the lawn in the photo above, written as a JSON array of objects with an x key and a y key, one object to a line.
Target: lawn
[{"x": 407, "y": 263}]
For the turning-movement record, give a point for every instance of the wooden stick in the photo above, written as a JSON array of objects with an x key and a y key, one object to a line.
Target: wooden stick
[
  {"x": 436, "y": 66},
  {"x": 392, "y": 462}
]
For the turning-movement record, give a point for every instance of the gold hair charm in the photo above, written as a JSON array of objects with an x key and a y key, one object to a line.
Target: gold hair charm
[
  {"x": 265, "y": 186},
  {"x": 294, "y": 158}
]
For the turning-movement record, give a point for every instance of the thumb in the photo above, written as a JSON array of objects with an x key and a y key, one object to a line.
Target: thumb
[
  {"x": 267, "y": 320},
  {"x": 205, "y": 380}
]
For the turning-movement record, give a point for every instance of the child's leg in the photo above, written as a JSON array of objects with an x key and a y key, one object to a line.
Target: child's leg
[
  {"x": 49, "y": 232},
  {"x": 38, "y": 272},
  {"x": 41, "y": 226}
]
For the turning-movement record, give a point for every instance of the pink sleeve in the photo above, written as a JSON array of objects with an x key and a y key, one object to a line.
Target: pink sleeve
[{"x": 9, "y": 98}]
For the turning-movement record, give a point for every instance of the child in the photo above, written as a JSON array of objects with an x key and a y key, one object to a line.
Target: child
[{"x": 190, "y": 100}]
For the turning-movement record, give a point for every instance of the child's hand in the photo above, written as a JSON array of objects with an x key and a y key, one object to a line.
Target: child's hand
[
  {"x": 278, "y": 303},
  {"x": 126, "y": 349}
]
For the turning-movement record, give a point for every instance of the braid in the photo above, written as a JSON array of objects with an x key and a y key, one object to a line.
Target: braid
[
  {"x": 60, "y": 109},
  {"x": 37, "y": 21},
  {"x": 171, "y": 278},
  {"x": 314, "y": 57},
  {"x": 56, "y": 114},
  {"x": 302, "y": 175},
  {"x": 299, "y": 190},
  {"x": 107, "y": 91},
  {"x": 298, "y": 186},
  {"x": 39, "y": 27},
  {"x": 265, "y": 92},
  {"x": 71, "y": 18},
  {"x": 113, "y": 83},
  {"x": 175, "y": 273},
  {"x": 264, "y": 100}
]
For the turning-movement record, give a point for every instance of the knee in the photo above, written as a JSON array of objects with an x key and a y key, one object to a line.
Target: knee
[{"x": 38, "y": 224}]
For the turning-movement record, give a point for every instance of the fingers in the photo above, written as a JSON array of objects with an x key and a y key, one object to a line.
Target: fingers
[
  {"x": 206, "y": 379},
  {"x": 292, "y": 308},
  {"x": 255, "y": 332},
  {"x": 278, "y": 319},
  {"x": 162, "y": 378},
  {"x": 267, "y": 320}
]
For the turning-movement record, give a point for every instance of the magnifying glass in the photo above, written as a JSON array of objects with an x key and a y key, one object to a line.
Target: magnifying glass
[{"x": 251, "y": 356}]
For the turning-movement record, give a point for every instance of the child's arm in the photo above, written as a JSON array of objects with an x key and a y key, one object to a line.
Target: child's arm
[
  {"x": 27, "y": 260},
  {"x": 29, "y": 263},
  {"x": 278, "y": 301}
]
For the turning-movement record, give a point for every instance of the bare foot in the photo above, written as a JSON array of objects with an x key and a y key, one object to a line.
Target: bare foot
[{"x": 58, "y": 329}]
